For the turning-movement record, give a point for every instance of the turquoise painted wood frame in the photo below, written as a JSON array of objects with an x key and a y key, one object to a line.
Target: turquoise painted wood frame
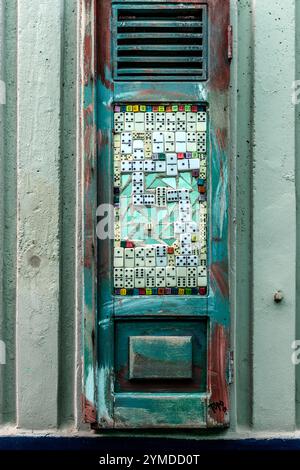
[{"x": 102, "y": 407}]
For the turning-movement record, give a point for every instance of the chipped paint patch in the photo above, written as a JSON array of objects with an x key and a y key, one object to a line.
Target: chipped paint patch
[
  {"x": 88, "y": 157},
  {"x": 220, "y": 197},
  {"x": 104, "y": 374},
  {"x": 219, "y": 278},
  {"x": 218, "y": 408},
  {"x": 104, "y": 63},
  {"x": 89, "y": 411},
  {"x": 219, "y": 18}
]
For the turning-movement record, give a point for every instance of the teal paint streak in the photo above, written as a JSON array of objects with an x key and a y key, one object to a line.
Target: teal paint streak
[
  {"x": 88, "y": 293},
  {"x": 219, "y": 289},
  {"x": 159, "y": 306},
  {"x": 167, "y": 357},
  {"x": 157, "y": 410},
  {"x": 88, "y": 96},
  {"x": 160, "y": 92}
]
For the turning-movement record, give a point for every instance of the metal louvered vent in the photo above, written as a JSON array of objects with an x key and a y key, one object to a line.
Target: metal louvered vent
[{"x": 160, "y": 42}]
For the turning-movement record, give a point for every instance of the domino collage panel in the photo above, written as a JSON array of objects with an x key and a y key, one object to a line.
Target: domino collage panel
[{"x": 160, "y": 202}]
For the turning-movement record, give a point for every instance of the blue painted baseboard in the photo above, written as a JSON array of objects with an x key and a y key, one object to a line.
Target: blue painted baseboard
[{"x": 129, "y": 445}]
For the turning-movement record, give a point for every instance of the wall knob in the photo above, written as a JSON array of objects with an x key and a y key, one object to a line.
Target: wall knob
[{"x": 278, "y": 297}]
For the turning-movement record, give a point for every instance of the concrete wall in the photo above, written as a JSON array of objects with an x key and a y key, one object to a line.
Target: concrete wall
[{"x": 40, "y": 383}]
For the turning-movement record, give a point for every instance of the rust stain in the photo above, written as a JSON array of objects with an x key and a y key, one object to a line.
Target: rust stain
[
  {"x": 102, "y": 138},
  {"x": 99, "y": 138},
  {"x": 221, "y": 135},
  {"x": 87, "y": 56},
  {"x": 89, "y": 218},
  {"x": 219, "y": 277},
  {"x": 88, "y": 140},
  {"x": 218, "y": 11},
  {"x": 88, "y": 132},
  {"x": 89, "y": 240},
  {"x": 89, "y": 410},
  {"x": 88, "y": 252},
  {"x": 186, "y": 1},
  {"x": 217, "y": 375},
  {"x": 88, "y": 114},
  {"x": 103, "y": 15},
  {"x": 88, "y": 44},
  {"x": 87, "y": 175}
]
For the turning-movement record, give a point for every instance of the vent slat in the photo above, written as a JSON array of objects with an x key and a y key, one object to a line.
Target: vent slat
[
  {"x": 153, "y": 71},
  {"x": 161, "y": 41},
  {"x": 181, "y": 7},
  {"x": 159, "y": 24},
  {"x": 159, "y": 59},
  {"x": 160, "y": 35},
  {"x": 159, "y": 47},
  {"x": 162, "y": 78}
]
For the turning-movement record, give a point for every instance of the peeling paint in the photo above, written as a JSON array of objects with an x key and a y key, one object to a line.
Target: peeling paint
[
  {"x": 219, "y": 278},
  {"x": 104, "y": 412},
  {"x": 89, "y": 411},
  {"x": 218, "y": 12},
  {"x": 104, "y": 63},
  {"x": 88, "y": 132},
  {"x": 217, "y": 376}
]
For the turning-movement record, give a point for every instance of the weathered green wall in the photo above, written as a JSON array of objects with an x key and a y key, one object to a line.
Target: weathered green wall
[{"x": 39, "y": 312}]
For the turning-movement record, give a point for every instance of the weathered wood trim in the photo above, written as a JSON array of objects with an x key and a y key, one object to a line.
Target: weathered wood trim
[{"x": 87, "y": 246}]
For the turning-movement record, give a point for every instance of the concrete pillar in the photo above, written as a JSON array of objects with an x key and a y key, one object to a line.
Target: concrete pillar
[{"x": 38, "y": 198}]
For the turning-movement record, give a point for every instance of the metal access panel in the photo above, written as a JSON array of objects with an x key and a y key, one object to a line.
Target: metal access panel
[
  {"x": 155, "y": 43},
  {"x": 162, "y": 320}
]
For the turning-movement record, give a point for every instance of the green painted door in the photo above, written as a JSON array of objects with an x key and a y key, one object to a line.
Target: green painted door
[{"x": 162, "y": 284}]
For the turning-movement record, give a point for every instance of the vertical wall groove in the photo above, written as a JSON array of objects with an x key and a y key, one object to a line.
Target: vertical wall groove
[
  {"x": 9, "y": 226},
  {"x": 2, "y": 103},
  {"x": 68, "y": 197},
  {"x": 243, "y": 212}
]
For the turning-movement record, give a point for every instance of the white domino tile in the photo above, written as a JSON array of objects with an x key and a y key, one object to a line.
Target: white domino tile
[{"x": 119, "y": 257}]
